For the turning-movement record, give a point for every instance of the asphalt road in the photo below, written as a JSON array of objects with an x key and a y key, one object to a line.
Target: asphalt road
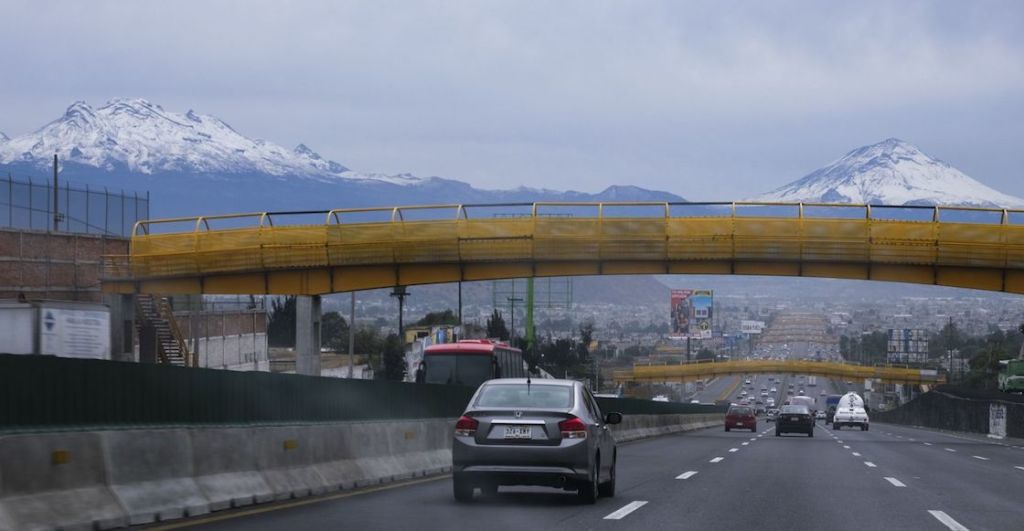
[{"x": 886, "y": 478}]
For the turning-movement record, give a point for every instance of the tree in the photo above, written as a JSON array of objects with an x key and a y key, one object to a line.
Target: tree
[
  {"x": 496, "y": 326},
  {"x": 334, "y": 332},
  {"x": 394, "y": 359},
  {"x": 705, "y": 354},
  {"x": 281, "y": 322},
  {"x": 446, "y": 317}
]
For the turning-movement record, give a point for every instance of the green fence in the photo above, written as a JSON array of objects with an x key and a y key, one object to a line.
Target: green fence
[{"x": 46, "y": 393}]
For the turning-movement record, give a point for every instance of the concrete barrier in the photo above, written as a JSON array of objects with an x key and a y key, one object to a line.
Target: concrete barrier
[
  {"x": 151, "y": 474},
  {"x": 115, "y": 478},
  {"x": 56, "y": 480}
]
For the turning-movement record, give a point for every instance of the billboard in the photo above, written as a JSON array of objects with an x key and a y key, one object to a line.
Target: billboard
[
  {"x": 751, "y": 327},
  {"x": 681, "y": 313},
  {"x": 908, "y": 345},
  {"x": 702, "y": 302}
]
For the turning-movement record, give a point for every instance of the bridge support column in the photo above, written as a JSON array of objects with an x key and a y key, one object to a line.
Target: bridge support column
[{"x": 307, "y": 335}]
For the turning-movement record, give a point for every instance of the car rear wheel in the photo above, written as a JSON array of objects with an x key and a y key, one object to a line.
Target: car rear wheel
[
  {"x": 778, "y": 433},
  {"x": 489, "y": 489},
  {"x": 607, "y": 489},
  {"x": 462, "y": 489},
  {"x": 588, "y": 490},
  {"x": 727, "y": 428},
  {"x": 753, "y": 428},
  {"x": 810, "y": 433}
]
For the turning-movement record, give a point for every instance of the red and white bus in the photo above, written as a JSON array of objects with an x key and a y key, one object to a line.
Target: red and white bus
[{"x": 472, "y": 362}]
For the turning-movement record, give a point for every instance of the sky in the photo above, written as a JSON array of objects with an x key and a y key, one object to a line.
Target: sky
[{"x": 713, "y": 100}]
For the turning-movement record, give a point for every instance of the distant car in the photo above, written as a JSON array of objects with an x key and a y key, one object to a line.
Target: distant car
[
  {"x": 820, "y": 415},
  {"x": 747, "y": 382},
  {"x": 800, "y": 392},
  {"x": 794, "y": 419},
  {"x": 741, "y": 417},
  {"x": 774, "y": 390},
  {"x": 771, "y": 414},
  {"x": 545, "y": 432},
  {"x": 822, "y": 393}
]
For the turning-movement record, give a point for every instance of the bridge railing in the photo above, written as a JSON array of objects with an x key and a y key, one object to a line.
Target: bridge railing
[{"x": 607, "y": 232}]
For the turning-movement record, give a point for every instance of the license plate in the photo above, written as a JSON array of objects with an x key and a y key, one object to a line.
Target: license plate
[
  {"x": 518, "y": 432},
  {"x": 794, "y": 419}
]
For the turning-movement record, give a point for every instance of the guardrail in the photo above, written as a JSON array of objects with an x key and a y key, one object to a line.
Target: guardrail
[{"x": 694, "y": 371}]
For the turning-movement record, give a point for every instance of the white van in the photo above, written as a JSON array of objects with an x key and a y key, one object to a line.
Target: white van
[{"x": 850, "y": 412}]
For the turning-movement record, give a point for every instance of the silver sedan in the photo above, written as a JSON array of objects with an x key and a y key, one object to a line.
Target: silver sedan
[{"x": 541, "y": 432}]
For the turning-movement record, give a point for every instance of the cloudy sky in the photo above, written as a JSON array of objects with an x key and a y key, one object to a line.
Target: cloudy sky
[{"x": 710, "y": 100}]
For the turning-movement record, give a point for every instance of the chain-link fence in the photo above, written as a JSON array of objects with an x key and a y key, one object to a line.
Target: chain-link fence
[{"x": 29, "y": 204}]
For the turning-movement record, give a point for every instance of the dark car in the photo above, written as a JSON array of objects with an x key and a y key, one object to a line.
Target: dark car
[
  {"x": 740, "y": 417},
  {"x": 794, "y": 419},
  {"x": 542, "y": 432}
]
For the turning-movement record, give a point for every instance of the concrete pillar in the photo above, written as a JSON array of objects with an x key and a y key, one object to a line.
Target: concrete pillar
[
  {"x": 307, "y": 335},
  {"x": 122, "y": 326}
]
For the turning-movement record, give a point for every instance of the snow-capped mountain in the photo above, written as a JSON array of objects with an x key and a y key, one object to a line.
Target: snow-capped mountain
[
  {"x": 196, "y": 163},
  {"x": 891, "y": 172},
  {"x": 141, "y": 137}
]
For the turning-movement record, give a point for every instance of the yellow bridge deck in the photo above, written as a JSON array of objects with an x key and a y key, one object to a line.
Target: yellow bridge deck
[
  {"x": 256, "y": 254},
  {"x": 697, "y": 371}
]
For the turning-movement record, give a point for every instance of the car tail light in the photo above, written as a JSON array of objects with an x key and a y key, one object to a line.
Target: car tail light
[
  {"x": 573, "y": 428},
  {"x": 466, "y": 426}
]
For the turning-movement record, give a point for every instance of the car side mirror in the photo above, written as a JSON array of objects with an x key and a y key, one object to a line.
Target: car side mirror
[{"x": 613, "y": 418}]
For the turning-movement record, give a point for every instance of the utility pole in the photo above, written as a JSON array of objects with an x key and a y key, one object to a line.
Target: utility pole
[
  {"x": 401, "y": 294},
  {"x": 56, "y": 199},
  {"x": 352, "y": 336},
  {"x": 512, "y": 306},
  {"x": 460, "y": 310}
]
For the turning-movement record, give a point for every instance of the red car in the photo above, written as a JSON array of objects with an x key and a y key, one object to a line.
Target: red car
[{"x": 740, "y": 417}]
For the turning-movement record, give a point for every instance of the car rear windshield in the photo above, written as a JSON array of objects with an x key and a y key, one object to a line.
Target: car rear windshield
[
  {"x": 741, "y": 411},
  {"x": 795, "y": 409},
  {"x": 524, "y": 395}
]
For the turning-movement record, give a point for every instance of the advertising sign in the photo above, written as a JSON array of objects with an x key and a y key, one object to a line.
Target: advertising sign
[
  {"x": 751, "y": 327},
  {"x": 681, "y": 313},
  {"x": 702, "y": 302},
  {"x": 908, "y": 345},
  {"x": 997, "y": 421},
  {"x": 74, "y": 333}
]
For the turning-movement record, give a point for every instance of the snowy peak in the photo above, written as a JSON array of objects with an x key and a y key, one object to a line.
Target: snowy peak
[
  {"x": 892, "y": 172},
  {"x": 140, "y": 136},
  {"x": 3, "y": 137}
]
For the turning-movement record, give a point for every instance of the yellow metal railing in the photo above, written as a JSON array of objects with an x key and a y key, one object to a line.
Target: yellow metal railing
[
  {"x": 694, "y": 371},
  {"x": 815, "y": 235}
]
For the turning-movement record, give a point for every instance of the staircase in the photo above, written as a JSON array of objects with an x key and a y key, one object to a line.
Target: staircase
[{"x": 172, "y": 348}]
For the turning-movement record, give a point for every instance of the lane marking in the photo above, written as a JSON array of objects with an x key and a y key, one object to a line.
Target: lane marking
[
  {"x": 734, "y": 449},
  {"x": 753, "y": 438},
  {"x": 870, "y": 464},
  {"x": 980, "y": 457},
  {"x": 847, "y": 447},
  {"x": 948, "y": 521},
  {"x": 856, "y": 454},
  {"x": 625, "y": 510},
  {"x": 1019, "y": 467},
  {"x": 927, "y": 444},
  {"x": 895, "y": 482},
  {"x": 687, "y": 475},
  {"x": 717, "y": 459},
  {"x": 744, "y": 443},
  {"x": 950, "y": 450}
]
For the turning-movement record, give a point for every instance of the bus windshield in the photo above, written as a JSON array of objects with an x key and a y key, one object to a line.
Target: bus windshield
[{"x": 458, "y": 369}]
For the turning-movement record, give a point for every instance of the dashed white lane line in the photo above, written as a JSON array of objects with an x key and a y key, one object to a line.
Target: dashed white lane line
[
  {"x": 980, "y": 457},
  {"x": 895, "y": 482},
  {"x": 687, "y": 475},
  {"x": 734, "y": 449},
  {"x": 744, "y": 443},
  {"x": 927, "y": 444},
  {"x": 625, "y": 510},
  {"x": 869, "y": 463},
  {"x": 1019, "y": 467},
  {"x": 950, "y": 450},
  {"x": 717, "y": 459},
  {"x": 753, "y": 438},
  {"x": 948, "y": 521},
  {"x": 846, "y": 447},
  {"x": 856, "y": 454}
]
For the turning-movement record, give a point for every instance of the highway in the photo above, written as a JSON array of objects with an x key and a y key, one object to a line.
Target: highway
[{"x": 889, "y": 477}]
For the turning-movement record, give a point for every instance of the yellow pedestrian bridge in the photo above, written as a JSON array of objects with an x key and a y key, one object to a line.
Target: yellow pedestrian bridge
[
  {"x": 701, "y": 370},
  {"x": 355, "y": 249}
]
